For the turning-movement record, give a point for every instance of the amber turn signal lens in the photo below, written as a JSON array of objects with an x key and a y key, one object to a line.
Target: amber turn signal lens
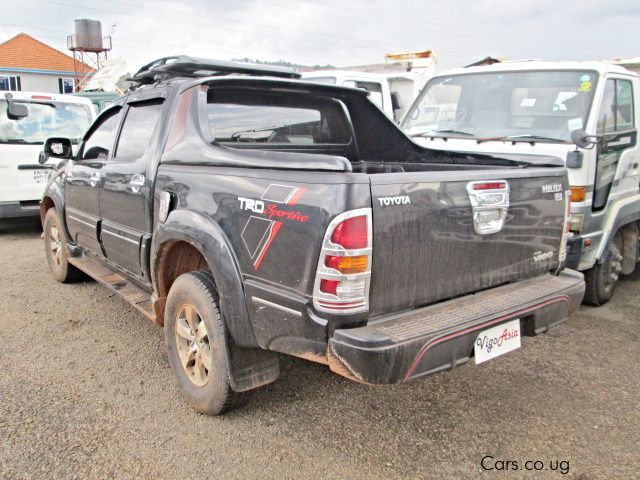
[
  {"x": 346, "y": 265},
  {"x": 578, "y": 194}
]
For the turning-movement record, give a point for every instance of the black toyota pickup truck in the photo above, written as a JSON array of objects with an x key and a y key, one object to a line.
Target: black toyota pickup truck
[{"x": 252, "y": 214}]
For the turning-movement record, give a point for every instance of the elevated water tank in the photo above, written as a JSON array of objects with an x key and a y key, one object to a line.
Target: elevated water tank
[{"x": 88, "y": 36}]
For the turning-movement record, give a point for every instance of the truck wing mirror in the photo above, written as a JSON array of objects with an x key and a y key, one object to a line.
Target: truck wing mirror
[
  {"x": 56, "y": 147},
  {"x": 15, "y": 111},
  {"x": 582, "y": 139}
]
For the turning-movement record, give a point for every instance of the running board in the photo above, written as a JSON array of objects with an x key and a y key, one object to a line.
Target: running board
[{"x": 132, "y": 294}]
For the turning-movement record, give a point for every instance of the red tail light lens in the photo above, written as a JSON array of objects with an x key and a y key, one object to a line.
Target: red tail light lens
[
  {"x": 329, "y": 286},
  {"x": 352, "y": 233},
  {"x": 489, "y": 186}
]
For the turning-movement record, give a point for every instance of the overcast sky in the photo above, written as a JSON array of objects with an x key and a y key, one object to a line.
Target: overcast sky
[{"x": 340, "y": 32}]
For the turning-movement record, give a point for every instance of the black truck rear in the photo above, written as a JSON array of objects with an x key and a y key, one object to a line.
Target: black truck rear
[{"x": 296, "y": 218}]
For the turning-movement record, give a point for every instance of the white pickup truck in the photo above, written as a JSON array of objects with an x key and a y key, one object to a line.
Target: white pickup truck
[
  {"x": 27, "y": 119},
  {"x": 585, "y": 113}
]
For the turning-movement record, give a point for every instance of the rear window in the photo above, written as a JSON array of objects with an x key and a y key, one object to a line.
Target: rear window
[{"x": 295, "y": 119}]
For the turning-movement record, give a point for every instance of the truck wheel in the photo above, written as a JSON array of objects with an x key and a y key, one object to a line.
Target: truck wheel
[
  {"x": 196, "y": 344},
  {"x": 56, "y": 249},
  {"x": 601, "y": 279}
]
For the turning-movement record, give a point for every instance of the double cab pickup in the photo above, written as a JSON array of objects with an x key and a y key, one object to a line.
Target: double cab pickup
[{"x": 252, "y": 214}]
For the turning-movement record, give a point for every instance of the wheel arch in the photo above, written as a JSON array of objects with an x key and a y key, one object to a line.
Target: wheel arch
[{"x": 184, "y": 233}]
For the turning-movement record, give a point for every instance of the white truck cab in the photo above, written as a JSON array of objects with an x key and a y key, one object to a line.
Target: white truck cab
[
  {"x": 22, "y": 178},
  {"x": 536, "y": 108},
  {"x": 391, "y": 92}
]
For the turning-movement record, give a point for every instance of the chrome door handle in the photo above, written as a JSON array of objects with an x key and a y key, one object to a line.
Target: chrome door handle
[
  {"x": 136, "y": 183},
  {"x": 94, "y": 179}
]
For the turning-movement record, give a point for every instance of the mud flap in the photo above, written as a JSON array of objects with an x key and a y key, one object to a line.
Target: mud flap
[{"x": 251, "y": 368}]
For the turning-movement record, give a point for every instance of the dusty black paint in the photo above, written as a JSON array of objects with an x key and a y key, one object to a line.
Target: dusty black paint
[{"x": 424, "y": 252}]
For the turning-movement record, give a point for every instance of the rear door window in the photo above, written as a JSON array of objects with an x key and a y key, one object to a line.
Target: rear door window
[
  {"x": 138, "y": 128},
  {"x": 291, "y": 119}
]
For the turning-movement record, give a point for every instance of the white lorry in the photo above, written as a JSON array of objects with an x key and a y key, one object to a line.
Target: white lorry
[
  {"x": 27, "y": 119},
  {"x": 392, "y": 86},
  {"x": 583, "y": 112}
]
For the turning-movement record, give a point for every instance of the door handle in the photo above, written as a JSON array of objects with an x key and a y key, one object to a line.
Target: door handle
[
  {"x": 136, "y": 183},
  {"x": 94, "y": 179}
]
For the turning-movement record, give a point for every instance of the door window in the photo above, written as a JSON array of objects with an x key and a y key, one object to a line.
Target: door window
[
  {"x": 138, "y": 128},
  {"x": 100, "y": 141},
  {"x": 616, "y": 109}
]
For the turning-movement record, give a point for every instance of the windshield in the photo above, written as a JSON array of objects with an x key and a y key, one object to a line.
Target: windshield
[
  {"x": 547, "y": 105},
  {"x": 45, "y": 119}
]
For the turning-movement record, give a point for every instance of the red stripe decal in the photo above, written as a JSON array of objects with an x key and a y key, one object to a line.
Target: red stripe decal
[
  {"x": 272, "y": 235},
  {"x": 295, "y": 198},
  {"x": 424, "y": 350}
]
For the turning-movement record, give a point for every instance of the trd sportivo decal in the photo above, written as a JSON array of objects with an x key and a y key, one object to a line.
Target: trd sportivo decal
[{"x": 260, "y": 230}]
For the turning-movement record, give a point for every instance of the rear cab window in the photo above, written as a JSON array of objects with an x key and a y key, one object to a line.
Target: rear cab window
[{"x": 282, "y": 121}]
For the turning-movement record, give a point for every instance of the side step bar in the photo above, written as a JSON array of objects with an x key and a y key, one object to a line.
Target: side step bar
[{"x": 132, "y": 294}]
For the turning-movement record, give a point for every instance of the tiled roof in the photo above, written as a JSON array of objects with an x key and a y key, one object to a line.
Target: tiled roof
[{"x": 24, "y": 51}]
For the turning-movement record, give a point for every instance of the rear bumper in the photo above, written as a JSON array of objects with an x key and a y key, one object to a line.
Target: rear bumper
[
  {"x": 439, "y": 337},
  {"x": 19, "y": 209}
]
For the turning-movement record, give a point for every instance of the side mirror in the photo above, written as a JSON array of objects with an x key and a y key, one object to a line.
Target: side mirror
[
  {"x": 56, "y": 147},
  {"x": 396, "y": 103},
  {"x": 575, "y": 159},
  {"x": 582, "y": 139},
  {"x": 15, "y": 111}
]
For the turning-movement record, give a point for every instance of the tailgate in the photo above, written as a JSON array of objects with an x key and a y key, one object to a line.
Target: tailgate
[{"x": 426, "y": 246}]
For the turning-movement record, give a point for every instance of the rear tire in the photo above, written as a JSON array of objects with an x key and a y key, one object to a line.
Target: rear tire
[
  {"x": 601, "y": 279},
  {"x": 56, "y": 249},
  {"x": 197, "y": 345}
]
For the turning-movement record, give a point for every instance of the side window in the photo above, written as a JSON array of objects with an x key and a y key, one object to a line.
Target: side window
[
  {"x": 616, "y": 110},
  {"x": 374, "y": 89},
  {"x": 101, "y": 139},
  {"x": 138, "y": 128},
  {"x": 624, "y": 104},
  {"x": 607, "y": 115}
]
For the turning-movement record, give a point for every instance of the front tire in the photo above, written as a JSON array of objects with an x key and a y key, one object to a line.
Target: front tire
[
  {"x": 601, "y": 279},
  {"x": 56, "y": 249},
  {"x": 196, "y": 344}
]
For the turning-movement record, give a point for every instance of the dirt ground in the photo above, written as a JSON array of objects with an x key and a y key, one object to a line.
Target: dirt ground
[{"x": 86, "y": 392}]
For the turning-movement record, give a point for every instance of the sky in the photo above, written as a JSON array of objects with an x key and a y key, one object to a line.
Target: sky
[{"x": 340, "y": 33}]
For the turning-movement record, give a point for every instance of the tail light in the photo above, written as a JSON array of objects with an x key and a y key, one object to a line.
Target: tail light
[
  {"x": 344, "y": 266},
  {"x": 562, "y": 251}
]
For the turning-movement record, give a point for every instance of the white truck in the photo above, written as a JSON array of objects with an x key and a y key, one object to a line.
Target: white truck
[
  {"x": 27, "y": 119},
  {"x": 392, "y": 86},
  {"x": 583, "y": 112}
]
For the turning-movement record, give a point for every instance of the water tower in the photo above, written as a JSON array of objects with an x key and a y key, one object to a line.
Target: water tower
[{"x": 89, "y": 48}]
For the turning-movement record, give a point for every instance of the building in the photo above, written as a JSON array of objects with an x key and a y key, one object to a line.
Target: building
[{"x": 30, "y": 65}]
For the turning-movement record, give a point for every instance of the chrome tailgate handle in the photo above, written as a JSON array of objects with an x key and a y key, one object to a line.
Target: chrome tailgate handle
[{"x": 489, "y": 204}]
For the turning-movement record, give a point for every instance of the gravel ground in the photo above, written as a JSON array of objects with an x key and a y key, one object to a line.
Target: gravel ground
[{"x": 86, "y": 392}]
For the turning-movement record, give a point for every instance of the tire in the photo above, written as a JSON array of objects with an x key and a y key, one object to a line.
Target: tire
[
  {"x": 56, "y": 249},
  {"x": 601, "y": 279},
  {"x": 198, "y": 358}
]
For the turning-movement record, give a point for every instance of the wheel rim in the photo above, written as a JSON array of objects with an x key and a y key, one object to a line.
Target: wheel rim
[
  {"x": 192, "y": 342},
  {"x": 55, "y": 246}
]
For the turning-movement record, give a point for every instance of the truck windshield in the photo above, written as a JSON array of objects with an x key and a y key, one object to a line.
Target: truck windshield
[
  {"x": 525, "y": 105},
  {"x": 45, "y": 119}
]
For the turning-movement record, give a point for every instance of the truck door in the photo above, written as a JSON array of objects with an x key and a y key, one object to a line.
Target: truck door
[
  {"x": 617, "y": 154},
  {"x": 83, "y": 179},
  {"x": 126, "y": 187}
]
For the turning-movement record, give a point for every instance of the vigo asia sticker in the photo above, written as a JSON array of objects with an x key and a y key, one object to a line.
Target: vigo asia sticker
[{"x": 496, "y": 341}]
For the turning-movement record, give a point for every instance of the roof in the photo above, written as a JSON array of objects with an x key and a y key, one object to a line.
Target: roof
[
  {"x": 23, "y": 52},
  {"x": 514, "y": 66},
  {"x": 627, "y": 62}
]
